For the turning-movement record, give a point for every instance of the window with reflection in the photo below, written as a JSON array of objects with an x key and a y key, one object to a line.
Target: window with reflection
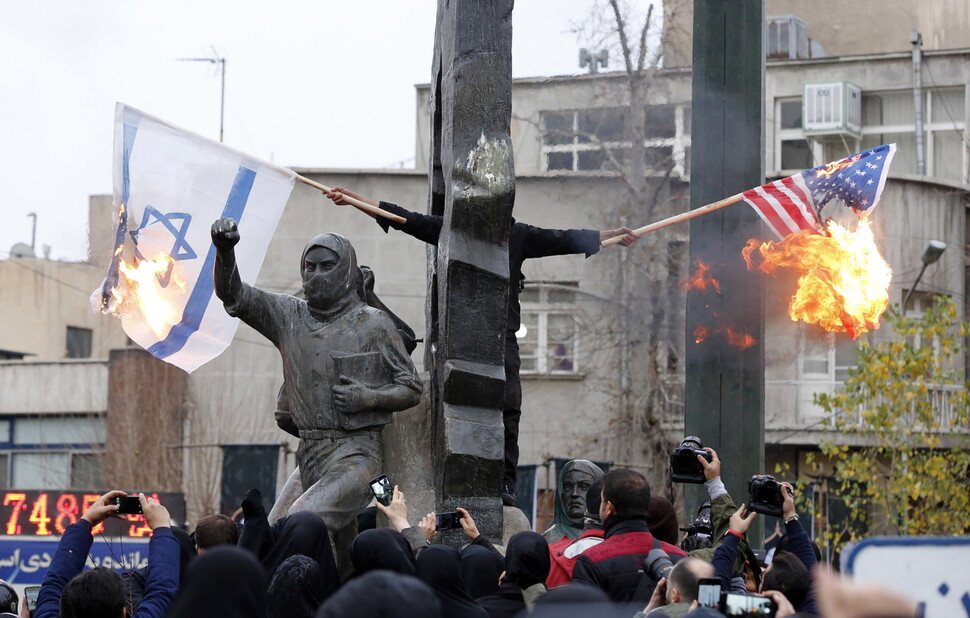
[{"x": 549, "y": 333}]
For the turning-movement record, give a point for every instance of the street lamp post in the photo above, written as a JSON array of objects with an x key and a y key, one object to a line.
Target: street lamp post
[
  {"x": 934, "y": 249},
  {"x": 216, "y": 59}
]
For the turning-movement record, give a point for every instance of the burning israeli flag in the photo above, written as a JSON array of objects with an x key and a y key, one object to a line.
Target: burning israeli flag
[{"x": 169, "y": 186}]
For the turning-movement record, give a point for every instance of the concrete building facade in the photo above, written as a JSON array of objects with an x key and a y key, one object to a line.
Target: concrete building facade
[{"x": 584, "y": 341}]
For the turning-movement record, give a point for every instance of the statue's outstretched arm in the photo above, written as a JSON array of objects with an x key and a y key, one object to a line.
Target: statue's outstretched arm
[{"x": 226, "y": 279}]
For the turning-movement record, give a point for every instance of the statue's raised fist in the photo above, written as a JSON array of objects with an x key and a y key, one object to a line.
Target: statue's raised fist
[{"x": 225, "y": 234}]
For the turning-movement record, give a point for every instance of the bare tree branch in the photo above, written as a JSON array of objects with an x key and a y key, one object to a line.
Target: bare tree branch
[
  {"x": 621, "y": 30},
  {"x": 643, "y": 40}
]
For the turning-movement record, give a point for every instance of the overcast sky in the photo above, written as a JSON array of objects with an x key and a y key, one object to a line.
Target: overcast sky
[{"x": 308, "y": 84}]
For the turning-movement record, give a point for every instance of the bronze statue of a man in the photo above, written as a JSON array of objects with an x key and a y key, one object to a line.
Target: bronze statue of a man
[
  {"x": 345, "y": 372},
  {"x": 575, "y": 479}
]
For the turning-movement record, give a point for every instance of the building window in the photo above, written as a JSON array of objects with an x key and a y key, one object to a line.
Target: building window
[
  {"x": 549, "y": 333},
  {"x": 86, "y": 471},
  {"x": 824, "y": 356},
  {"x": 41, "y": 470},
  {"x": 887, "y": 117},
  {"x": 917, "y": 304},
  {"x": 595, "y": 139},
  {"x": 59, "y": 430},
  {"x": 794, "y": 151},
  {"x": 78, "y": 342},
  {"x": 51, "y": 452},
  {"x": 890, "y": 117}
]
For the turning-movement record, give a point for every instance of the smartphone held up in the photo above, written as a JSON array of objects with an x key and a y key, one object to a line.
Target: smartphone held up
[
  {"x": 382, "y": 489},
  {"x": 448, "y": 521}
]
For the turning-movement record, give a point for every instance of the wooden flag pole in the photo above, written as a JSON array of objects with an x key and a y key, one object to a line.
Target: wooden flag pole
[
  {"x": 684, "y": 216},
  {"x": 364, "y": 206}
]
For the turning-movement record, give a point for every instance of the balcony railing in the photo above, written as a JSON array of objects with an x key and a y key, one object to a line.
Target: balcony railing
[{"x": 949, "y": 411}]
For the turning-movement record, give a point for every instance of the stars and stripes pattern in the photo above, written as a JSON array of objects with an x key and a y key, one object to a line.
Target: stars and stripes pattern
[{"x": 795, "y": 203}]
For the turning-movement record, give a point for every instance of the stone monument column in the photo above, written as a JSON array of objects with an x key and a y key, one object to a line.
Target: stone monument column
[{"x": 472, "y": 180}]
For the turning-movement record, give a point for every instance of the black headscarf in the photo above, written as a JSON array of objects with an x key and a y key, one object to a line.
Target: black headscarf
[
  {"x": 480, "y": 570},
  {"x": 224, "y": 581},
  {"x": 381, "y": 548},
  {"x": 294, "y": 590},
  {"x": 527, "y": 559},
  {"x": 382, "y": 593},
  {"x": 304, "y": 533},
  {"x": 439, "y": 567}
]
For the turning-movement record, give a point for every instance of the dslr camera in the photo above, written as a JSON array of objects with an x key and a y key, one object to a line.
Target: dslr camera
[
  {"x": 684, "y": 467},
  {"x": 701, "y": 523},
  {"x": 764, "y": 495},
  {"x": 657, "y": 564}
]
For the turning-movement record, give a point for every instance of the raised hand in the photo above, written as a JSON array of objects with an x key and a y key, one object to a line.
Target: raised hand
[{"x": 225, "y": 234}]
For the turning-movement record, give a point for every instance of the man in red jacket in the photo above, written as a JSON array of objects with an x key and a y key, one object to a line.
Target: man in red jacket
[{"x": 629, "y": 561}]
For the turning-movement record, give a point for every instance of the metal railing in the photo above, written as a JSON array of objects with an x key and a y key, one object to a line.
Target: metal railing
[{"x": 949, "y": 411}]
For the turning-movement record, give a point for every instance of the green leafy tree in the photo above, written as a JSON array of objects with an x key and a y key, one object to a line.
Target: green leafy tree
[{"x": 906, "y": 404}]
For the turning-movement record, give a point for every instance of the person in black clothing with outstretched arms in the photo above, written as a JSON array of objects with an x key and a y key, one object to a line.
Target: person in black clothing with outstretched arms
[{"x": 525, "y": 241}]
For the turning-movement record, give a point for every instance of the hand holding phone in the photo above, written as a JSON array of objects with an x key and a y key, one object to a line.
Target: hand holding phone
[
  {"x": 30, "y": 598},
  {"x": 709, "y": 592},
  {"x": 448, "y": 521},
  {"x": 383, "y": 490},
  {"x": 748, "y": 605}
]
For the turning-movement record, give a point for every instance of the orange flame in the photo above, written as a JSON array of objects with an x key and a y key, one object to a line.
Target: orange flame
[
  {"x": 843, "y": 284},
  {"x": 700, "y": 334},
  {"x": 701, "y": 278},
  {"x": 830, "y": 168},
  {"x": 741, "y": 340},
  {"x": 138, "y": 290}
]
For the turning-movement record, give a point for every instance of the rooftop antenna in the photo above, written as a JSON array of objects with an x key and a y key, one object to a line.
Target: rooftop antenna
[
  {"x": 221, "y": 61},
  {"x": 33, "y": 232}
]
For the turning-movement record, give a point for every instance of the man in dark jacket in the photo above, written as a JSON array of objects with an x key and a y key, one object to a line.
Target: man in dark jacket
[
  {"x": 525, "y": 241},
  {"x": 626, "y": 564},
  {"x": 66, "y": 590}
]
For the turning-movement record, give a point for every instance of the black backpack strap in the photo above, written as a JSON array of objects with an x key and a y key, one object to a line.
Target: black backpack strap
[{"x": 644, "y": 589}]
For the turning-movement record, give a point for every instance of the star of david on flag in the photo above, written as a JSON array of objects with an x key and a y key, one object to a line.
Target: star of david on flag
[
  {"x": 795, "y": 203},
  {"x": 169, "y": 186}
]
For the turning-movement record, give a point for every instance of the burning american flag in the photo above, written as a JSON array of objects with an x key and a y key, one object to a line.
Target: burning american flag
[
  {"x": 795, "y": 203},
  {"x": 843, "y": 281}
]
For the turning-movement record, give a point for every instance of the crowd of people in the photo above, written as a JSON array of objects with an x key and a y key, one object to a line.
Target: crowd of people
[
  {"x": 614, "y": 549},
  {"x": 628, "y": 558}
]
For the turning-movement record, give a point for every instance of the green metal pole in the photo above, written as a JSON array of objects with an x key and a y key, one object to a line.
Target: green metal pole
[{"x": 725, "y": 384}]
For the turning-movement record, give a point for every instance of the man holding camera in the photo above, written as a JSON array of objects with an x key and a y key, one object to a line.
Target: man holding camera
[
  {"x": 673, "y": 597},
  {"x": 629, "y": 562},
  {"x": 802, "y": 562},
  {"x": 66, "y": 588}
]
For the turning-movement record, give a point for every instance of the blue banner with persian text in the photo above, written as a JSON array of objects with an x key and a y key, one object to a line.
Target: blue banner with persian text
[{"x": 24, "y": 561}]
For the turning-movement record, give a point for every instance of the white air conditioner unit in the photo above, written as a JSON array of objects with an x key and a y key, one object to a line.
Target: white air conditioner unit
[
  {"x": 832, "y": 108},
  {"x": 786, "y": 38}
]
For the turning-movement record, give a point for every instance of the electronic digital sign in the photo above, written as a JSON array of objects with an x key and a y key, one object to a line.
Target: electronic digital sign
[{"x": 49, "y": 513}]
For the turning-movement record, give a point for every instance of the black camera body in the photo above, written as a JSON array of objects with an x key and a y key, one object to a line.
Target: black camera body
[
  {"x": 701, "y": 523},
  {"x": 684, "y": 467},
  {"x": 128, "y": 505},
  {"x": 764, "y": 495}
]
